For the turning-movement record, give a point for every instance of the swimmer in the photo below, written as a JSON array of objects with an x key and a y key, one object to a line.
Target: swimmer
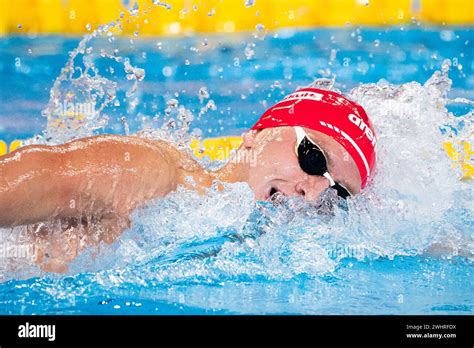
[{"x": 311, "y": 141}]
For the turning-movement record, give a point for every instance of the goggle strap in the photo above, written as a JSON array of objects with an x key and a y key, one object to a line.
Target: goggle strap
[
  {"x": 300, "y": 134},
  {"x": 329, "y": 177}
]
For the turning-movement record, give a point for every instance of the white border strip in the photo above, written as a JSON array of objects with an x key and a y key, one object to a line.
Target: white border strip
[{"x": 345, "y": 135}]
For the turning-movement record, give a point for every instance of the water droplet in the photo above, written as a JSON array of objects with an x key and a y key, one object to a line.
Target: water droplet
[
  {"x": 134, "y": 10},
  {"x": 167, "y": 71},
  {"x": 88, "y": 26},
  {"x": 203, "y": 94},
  {"x": 125, "y": 124},
  {"x": 276, "y": 84},
  {"x": 249, "y": 3},
  {"x": 163, "y": 4},
  {"x": 260, "y": 27},
  {"x": 447, "y": 35},
  {"x": 446, "y": 66},
  {"x": 249, "y": 52}
]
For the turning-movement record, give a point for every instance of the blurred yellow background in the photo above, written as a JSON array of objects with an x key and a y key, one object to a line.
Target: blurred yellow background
[{"x": 187, "y": 16}]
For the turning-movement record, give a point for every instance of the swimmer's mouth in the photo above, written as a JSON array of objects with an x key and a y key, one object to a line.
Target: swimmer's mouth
[{"x": 272, "y": 192}]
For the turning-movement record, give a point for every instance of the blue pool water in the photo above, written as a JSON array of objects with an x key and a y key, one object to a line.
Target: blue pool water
[{"x": 404, "y": 247}]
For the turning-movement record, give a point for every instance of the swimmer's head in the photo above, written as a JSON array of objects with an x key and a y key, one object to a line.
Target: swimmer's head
[{"x": 311, "y": 140}]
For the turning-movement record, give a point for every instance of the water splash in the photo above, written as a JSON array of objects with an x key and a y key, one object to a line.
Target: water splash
[
  {"x": 81, "y": 83},
  {"x": 416, "y": 205},
  {"x": 82, "y": 95},
  {"x": 414, "y": 179}
]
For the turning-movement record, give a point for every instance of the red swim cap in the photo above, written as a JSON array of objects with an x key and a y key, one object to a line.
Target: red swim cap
[{"x": 332, "y": 114}]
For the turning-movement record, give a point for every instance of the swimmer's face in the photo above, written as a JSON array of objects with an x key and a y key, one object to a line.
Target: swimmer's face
[{"x": 276, "y": 167}]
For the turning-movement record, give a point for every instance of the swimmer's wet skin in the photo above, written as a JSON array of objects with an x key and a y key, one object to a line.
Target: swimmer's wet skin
[{"x": 310, "y": 141}]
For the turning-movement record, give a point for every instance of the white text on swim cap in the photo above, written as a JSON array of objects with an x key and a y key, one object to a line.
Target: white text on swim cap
[
  {"x": 364, "y": 128},
  {"x": 304, "y": 95}
]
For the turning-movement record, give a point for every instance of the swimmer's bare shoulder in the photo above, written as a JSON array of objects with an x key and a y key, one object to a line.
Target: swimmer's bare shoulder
[{"x": 96, "y": 176}]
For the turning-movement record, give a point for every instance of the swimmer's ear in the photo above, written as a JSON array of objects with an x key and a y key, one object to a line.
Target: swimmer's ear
[{"x": 250, "y": 139}]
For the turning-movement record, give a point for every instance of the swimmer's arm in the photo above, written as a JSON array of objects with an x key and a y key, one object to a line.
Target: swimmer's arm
[{"x": 91, "y": 176}]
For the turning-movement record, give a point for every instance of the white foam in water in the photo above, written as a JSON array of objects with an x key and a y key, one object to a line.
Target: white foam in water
[
  {"x": 413, "y": 207},
  {"x": 415, "y": 186},
  {"x": 415, "y": 203}
]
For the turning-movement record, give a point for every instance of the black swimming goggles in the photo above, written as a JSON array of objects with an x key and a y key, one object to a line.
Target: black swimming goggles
[{"x": 313, "y": 161}]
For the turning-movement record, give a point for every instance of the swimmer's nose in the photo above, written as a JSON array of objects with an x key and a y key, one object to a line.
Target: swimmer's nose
[{"x": 310, "y": 187}]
